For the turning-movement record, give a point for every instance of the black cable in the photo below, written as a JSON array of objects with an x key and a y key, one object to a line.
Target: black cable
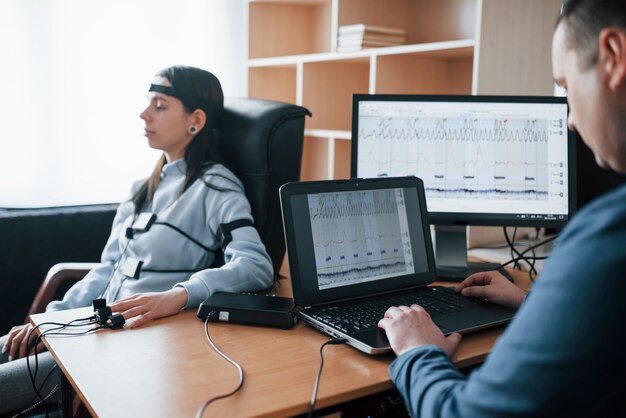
[
  {"x": 33, "y": 375},
  {"x": 36, "y": 353},
  {"x": 520, "y": 259},
  {"x": 169, "y": 271},
  {"x": 531, "y": 248},
  {"x": 511, "y": 243},
  {"x": 29, "y": 348},
  {"x": 115, "y": 267},
  {"x": 515, "y": 253},
  {"x": 228, "y": 359},
  {"x": 532, "y": 266},
  {"x": 530, "y": 260},
  {"x": 175, "y": 228},
  {"x": 532, "y": 269},
  {"x": 59, "y": 326},
  {"x": 319, "y": 372},
  {"x": 37, "y": 403},
  {"x": 186, "y": 235},
  {"x": 497, "y": 247}
]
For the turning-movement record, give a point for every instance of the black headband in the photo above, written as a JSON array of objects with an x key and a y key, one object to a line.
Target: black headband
[{"x": 189, "y": 101}]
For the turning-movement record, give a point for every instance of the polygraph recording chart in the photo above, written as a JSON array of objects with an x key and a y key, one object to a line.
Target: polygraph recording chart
[
  {"x": 487, "y": 157},
  {"x": 359, "y": 236}
]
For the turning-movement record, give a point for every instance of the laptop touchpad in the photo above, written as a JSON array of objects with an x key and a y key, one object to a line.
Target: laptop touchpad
[{"x": 374, "y": 337}]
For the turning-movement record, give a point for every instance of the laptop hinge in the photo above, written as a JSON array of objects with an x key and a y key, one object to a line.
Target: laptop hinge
[{"x": 368, "y": 296}]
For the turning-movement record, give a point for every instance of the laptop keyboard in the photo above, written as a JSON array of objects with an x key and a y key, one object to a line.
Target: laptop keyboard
[{"x": 362, "y": 316}]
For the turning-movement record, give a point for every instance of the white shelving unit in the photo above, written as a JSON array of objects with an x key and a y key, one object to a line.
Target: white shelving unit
[{"x": 453, "y": 47}]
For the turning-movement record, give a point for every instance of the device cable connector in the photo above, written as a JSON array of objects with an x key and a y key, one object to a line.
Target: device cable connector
[{"x": 332, "y": 341}]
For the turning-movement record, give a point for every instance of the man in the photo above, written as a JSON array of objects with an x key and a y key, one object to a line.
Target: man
[{"x": 564, "y": 353}]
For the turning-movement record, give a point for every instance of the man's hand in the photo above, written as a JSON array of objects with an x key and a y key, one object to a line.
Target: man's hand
[
  {"x": 16, "y": 342},
  {"x": 409, "y": 328},
  {"x": 148, "y": 306},
  {"x": 494, "y": 287}
]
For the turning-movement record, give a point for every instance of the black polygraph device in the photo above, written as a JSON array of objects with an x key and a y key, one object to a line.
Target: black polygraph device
[{"x": 238, "y": 308}]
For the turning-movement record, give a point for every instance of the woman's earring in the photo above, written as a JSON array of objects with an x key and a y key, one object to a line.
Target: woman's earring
[{"x": 192, "y": 130}]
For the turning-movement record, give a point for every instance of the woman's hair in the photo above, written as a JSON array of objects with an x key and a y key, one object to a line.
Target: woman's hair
[
  {"x": 585, "y": 20},
  {"x": 200, "y": 87}
]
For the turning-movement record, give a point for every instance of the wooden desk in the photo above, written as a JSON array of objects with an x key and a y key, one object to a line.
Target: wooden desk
[{"x": 167, "y": 368}]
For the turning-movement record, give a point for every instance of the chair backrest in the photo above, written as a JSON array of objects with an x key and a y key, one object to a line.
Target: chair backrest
[{"x": 261, "y": 142}]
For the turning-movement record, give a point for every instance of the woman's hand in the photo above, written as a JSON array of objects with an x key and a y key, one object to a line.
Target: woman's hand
[
  {"x": 16, "y": 342},
  {"x": 494, "y": 287},
  {"x": 145, "y": 307},
  {"x": 411, "y": 327}
]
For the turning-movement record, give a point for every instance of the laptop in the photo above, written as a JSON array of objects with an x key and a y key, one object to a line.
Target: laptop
[{"x": 358, "y": 246}]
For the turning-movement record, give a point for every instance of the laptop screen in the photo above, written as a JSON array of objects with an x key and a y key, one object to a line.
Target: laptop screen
[
  {"x": 360, "y": 236},
  {"x": 352, "y": 238}
]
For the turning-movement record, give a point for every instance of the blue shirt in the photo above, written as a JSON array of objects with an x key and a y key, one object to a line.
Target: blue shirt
[
  {"x": 563, "y": 355},
  {"x": 198, "y": 212}
]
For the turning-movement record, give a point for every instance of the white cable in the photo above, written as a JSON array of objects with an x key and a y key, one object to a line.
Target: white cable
[{"x": 228, "y": 359}]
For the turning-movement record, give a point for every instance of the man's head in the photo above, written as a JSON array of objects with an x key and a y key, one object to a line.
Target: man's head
[{"x": 589, "y": 60}]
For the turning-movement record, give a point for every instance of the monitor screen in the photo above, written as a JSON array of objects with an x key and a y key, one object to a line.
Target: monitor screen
[{"x": 484, "y": 160}]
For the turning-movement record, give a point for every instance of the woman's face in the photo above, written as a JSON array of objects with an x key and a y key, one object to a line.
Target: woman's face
[{"x": 167, "y": 123}]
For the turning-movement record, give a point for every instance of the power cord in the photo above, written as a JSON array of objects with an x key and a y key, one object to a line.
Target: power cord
[
  {"x": 515, "y": 253},
  {"x": 228, "y": 359},
  {"x": 523, "y": 256},
  {"x": 333, "y": 341},
  {"x": 511, "y": 243}
]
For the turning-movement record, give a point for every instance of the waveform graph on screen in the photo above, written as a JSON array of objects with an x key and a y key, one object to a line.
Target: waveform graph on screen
[
  {"x": 460, "y": 157},
  {"x": 359, "y": 236}
]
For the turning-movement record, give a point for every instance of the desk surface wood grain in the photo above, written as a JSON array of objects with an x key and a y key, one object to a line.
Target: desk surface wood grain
[{"x": 167, "y": 368}]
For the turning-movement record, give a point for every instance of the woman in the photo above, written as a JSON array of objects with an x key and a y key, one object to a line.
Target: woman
[{"x": 161, "y": 255}]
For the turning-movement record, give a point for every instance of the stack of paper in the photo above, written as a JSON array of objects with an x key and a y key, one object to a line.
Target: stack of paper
[{"x": 359, "y": 36}]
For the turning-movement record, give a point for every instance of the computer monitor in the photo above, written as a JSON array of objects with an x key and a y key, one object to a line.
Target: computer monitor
[{"x": 484, "y": 160}]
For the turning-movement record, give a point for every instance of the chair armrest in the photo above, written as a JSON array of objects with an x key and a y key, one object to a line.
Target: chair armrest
[{"x": 58, "y": 274}]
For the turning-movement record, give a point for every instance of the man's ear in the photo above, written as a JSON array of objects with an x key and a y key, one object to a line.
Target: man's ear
[
  {"x": 612, "y": 56},
  {"x": 198, "y": 119}
]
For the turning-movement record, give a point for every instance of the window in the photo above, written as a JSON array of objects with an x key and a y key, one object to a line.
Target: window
[{"x": 75, "y": 74}]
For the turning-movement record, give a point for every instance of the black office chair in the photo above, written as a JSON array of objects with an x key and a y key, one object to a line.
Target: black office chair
[{"x": 261, "y": 142}]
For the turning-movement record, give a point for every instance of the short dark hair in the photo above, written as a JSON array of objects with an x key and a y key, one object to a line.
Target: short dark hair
[{"x": 585, "y": 20}]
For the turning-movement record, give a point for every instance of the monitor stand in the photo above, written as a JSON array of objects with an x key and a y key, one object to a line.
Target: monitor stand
[{"x": 451, "y": 255}]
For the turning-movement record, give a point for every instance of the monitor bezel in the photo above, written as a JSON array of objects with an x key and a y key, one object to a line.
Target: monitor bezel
[{"x": 477, "y": 219}]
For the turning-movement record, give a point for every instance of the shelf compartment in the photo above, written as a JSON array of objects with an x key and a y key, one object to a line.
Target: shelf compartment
[
  {"x": 328, "y": 88},
  {"x": 436, "y": 72},
  {"x": 423, "y": 20},
  {"x": 273, "y": 83},
  {"x": 325, "y": 156},
  {"x": 315, "y": 159},
  {"x": 341, "y": 163},
  {"x": 288, "y": 28}
]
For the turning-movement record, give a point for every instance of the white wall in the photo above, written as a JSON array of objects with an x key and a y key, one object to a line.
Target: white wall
[{"x": 74, "y": 76}]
